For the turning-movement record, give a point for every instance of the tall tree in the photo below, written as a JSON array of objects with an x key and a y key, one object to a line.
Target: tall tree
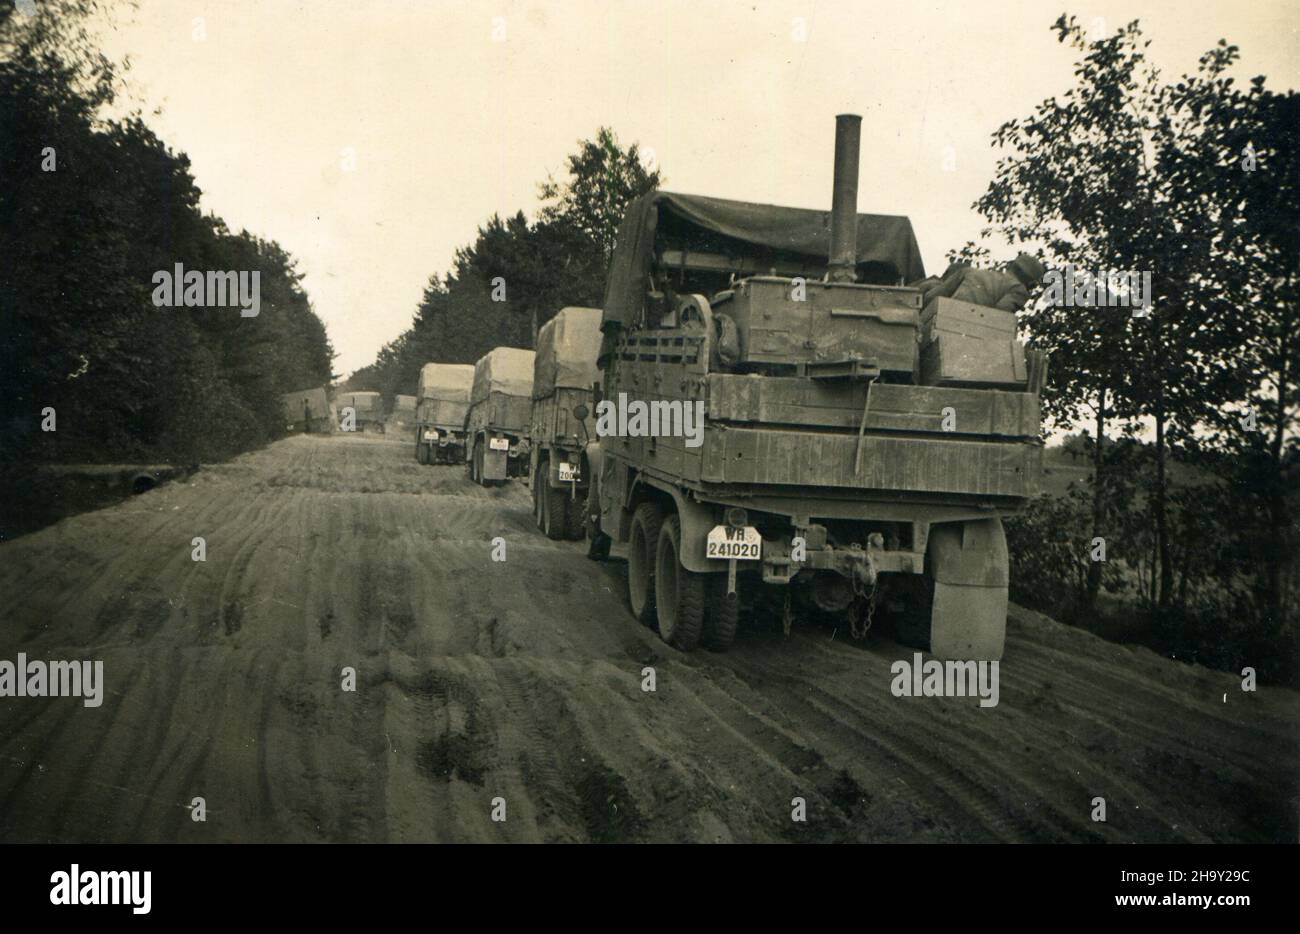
[{"x": 1087, "y": 177}]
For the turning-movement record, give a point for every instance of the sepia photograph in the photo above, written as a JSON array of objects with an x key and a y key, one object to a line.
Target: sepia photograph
[{"x": 650, "y": 422}]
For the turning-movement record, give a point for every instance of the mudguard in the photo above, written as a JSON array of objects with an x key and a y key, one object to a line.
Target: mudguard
[{"x": 968, "y": 563}]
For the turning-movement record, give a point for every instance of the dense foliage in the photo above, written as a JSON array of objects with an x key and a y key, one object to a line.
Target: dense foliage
[{"x": 90, "y": 209}]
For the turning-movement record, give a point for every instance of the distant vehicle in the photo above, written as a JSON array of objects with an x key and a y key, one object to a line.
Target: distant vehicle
[
  {"x": 856, "y": 449},
  {"x": 442, "y": 404},
  {"x": 368, "y": 409},
  {"x": 500, "y": 407},
  {"x": 402, "y": 418},
  {"x": 564, "y": 371},
  {"x": 308, "y": 410}
]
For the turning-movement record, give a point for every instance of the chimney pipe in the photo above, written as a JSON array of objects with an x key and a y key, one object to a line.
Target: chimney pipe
[{"x": 844, "y": 199}]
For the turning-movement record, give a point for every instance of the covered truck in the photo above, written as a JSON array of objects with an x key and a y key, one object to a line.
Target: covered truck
[
  {"x": 360, "y": 411},
  {"x": 402, "y": 416},
  {"x": 564, "y": 371},
  {"x": 771, "y": 421},
  {"x": 307, "y": 410},
  {"x": 500, "y": 408},
  {"x": 441, "y": 407}
]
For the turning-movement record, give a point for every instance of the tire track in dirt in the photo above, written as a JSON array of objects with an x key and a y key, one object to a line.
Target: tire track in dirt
[{"x": 522, "y": 680}]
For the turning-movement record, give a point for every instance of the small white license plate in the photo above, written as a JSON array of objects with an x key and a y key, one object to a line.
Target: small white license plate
[
  {"x": 430, "y": 436},
  {"x": 499, "y": 444},
  {"x": 744, "y": 544},
  {"x": 568, "y": 471}
]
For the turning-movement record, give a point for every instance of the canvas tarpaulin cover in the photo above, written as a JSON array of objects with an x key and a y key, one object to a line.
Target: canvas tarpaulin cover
[
  {"x": 507, "y": 370},
  {"x": 566, "y": 351},
  {"x": 662, "y": 219},
  {"x": 404, "y": 404},
  {"x": 360, "y": 401},
  {"x": 449, "y": 381},
  {"x": 315, "y": 399}
]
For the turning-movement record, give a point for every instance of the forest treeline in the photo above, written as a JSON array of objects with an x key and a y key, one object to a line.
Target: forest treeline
[
  {"x": 91, "y": 207},
  {"x": 518, "y": 273}
]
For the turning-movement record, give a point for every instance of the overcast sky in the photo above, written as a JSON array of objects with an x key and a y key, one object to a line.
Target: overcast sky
[{"x": 371, "y": 137}]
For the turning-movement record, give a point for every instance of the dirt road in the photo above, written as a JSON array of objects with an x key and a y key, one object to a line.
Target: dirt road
[{"x": 522, "y": 680}]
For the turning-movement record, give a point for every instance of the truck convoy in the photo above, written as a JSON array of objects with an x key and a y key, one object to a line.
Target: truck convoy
[
  {"x": 499, "y": 412},
  {"x": 307, "y": 410},
  {"x": 563, "y": 373},
  {"x": 367, "y": 411},
  {"x": 855, "y": 449},
  {"x": 443, "y": 403}
]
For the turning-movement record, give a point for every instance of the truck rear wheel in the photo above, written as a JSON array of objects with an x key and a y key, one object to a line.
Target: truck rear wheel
[
  {"x": 722, "y": 617},
  {"x": 642, "y": 543},
  {"x": 679, "y": 593},
  {"x": 537, "y": 499},
  {"x": 472, "y": 463},
  {"x": 575, "y": 514},
  {"x": 554, "y": 513}
]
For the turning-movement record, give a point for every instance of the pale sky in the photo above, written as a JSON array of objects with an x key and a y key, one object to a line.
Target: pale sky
[{"x": 370, "y": 138}]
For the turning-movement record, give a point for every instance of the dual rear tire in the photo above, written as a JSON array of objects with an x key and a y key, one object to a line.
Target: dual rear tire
[
  {"x": 688, "y": 607},
  {"x": 555, "y": 511}
]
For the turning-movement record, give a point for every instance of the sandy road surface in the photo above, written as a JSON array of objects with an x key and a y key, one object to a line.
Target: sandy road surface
[{"x": 521, "y": 680}]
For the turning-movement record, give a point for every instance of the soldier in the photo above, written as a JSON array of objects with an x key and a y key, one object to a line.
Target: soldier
[{"x": 1006, "y": 289}]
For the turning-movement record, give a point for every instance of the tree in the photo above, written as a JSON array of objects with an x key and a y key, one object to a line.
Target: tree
[
  {"x": 534, "y": 268},
  {"x": 603, "y": 179},
  {"x": 1089, "y": 178},
  {"x": 90, "y": 209}
]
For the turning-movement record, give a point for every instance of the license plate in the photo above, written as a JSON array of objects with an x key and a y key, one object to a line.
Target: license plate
[
  {"x": 499, "y": 444},
  {"x": 568, "y": 471},
  {"x": 744, "y": 544},
  {"x": 430, "y": 436}
]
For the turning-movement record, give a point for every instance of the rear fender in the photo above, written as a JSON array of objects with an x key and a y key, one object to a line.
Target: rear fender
[{"x": 696, "y": 521}]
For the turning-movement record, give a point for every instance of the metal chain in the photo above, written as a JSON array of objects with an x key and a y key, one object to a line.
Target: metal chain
[{"x": 860, "y": 632}]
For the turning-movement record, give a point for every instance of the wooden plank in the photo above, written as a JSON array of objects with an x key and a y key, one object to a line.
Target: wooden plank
[{"x": 906, "y": 464}]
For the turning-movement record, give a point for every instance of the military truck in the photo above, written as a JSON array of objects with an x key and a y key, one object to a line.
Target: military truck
[
  {"x": 563, "y": 373},
  {"x": 368, "y": 409},
  {"x": 307, "y": 410},
  {"x": 443, "y": 394},
  {"x": 500, "y": 407},
  {"x": 856, "y": 449},
  {"x": 402, "y": 417}
]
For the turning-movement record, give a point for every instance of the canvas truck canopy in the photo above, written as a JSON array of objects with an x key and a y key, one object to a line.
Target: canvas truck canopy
[
  {"x": 447, "y": 381},
  {"x": 507, "y": 370},
  {"x": 567, "y": 346},
  {"x": 663, "y": 231},
  {"x": 360, "y": 401},
  {"x": 315, "y": 400}
]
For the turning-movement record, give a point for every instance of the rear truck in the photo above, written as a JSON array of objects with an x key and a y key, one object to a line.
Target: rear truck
[
  {"x": 857, "y": 451},
  {"x": 441, "y": 408},
  {"x": 562, "y": 427},
  {"x": 367, "y": 411},
  {"x": 500, "y": 407},
  {"x": 307, "y": 410},
  {"x": 402, "y": 417}
]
